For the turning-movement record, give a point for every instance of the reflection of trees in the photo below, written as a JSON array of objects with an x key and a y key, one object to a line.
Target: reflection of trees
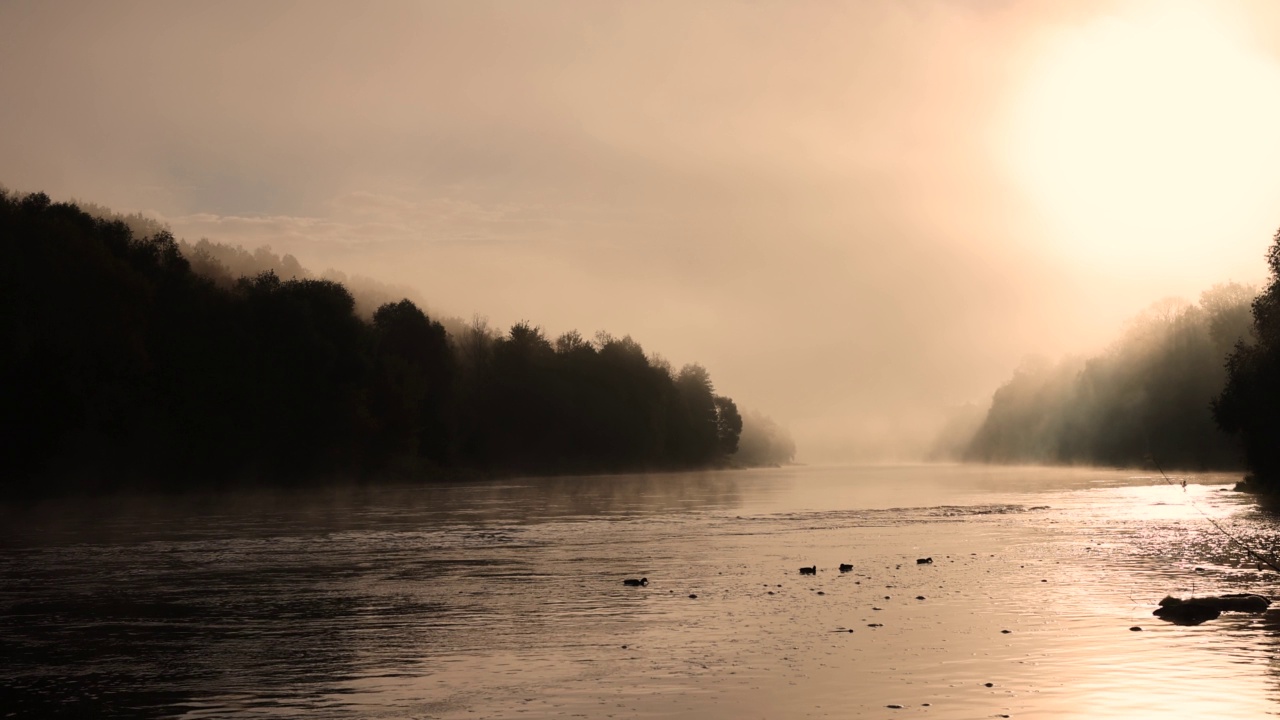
[
  {"x": 125, "y": 365},
  {"x": 1147, "y": 395}
]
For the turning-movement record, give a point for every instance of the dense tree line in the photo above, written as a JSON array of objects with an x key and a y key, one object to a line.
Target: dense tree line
[
  {"x": 1147, "y": 397},
  {"x": 123, "y": 365},
  {"x": 1249, "y": 404}
]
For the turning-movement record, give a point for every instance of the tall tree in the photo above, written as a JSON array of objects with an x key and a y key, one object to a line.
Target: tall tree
[{"x": 1249, "y": 405}]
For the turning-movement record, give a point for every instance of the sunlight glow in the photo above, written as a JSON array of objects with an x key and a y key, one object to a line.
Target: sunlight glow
[{"x": 1151, "y": 138}]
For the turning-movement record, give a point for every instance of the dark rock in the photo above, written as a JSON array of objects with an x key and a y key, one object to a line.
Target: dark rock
[
  {"x": 693, "y": 596},
  {"x": 1194, "y": 611},
  {"x": 1232, "y": 602},
  {"x": 1135, "y": 628},
  {"x": 1187, "y": 614}
]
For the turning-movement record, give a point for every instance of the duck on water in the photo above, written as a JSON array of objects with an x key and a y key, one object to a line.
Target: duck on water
[{"x": 632, "y": 582}]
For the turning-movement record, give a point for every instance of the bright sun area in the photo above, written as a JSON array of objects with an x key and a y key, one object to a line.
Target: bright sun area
[{"x": 1148, "y": 138}]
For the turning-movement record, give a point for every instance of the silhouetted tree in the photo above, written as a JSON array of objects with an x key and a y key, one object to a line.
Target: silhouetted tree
[
  {"x": 728, "y": 424},
  {"x": 695, "y": 422},
  {"x": 411, "y": 394},
  {"x": 1249, "y": 405}
]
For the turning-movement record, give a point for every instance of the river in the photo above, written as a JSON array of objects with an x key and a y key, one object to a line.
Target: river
[{"x": 505, "y": 599}]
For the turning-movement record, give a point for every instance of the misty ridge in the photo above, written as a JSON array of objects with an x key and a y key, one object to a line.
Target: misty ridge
[
  {"x": 133, "y": 359},
  {"x": 1147, "y": 398}
]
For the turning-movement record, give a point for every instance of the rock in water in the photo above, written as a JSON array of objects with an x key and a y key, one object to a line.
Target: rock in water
[
  {"x": 1194, "y": 611},
  {"x": 1187, "y": 613}
]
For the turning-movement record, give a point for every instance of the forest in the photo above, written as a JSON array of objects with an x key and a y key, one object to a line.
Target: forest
[
  {"x": 1192, "y": 387},
  {"x": 1188, "y": 387},
  {"x": 132, "y": 359},
  {"x": 1145, "y": 401}
]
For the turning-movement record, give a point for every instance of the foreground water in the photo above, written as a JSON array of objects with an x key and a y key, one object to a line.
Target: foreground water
[{"x": 505, "y": 599}]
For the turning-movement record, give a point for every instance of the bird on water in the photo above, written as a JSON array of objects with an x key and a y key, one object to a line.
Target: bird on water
[
  {"x": 811, "y": 570},
  {"x": 636, "y": 583}
]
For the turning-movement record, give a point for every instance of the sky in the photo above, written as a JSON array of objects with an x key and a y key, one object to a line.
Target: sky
[{"x": 855, "y": 215}]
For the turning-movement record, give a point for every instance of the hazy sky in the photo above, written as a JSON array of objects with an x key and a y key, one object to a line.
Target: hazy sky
[{"x": 855, "y": 215}]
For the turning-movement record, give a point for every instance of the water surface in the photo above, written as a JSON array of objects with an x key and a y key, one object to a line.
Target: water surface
[{"x": 505, "y": 599}]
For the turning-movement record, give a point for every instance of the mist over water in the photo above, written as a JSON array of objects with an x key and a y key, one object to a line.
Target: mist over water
[{"x": 505, "y": 598}]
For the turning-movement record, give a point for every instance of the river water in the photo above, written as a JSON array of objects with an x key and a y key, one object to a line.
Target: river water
[{"x": 505, "y": 599}]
